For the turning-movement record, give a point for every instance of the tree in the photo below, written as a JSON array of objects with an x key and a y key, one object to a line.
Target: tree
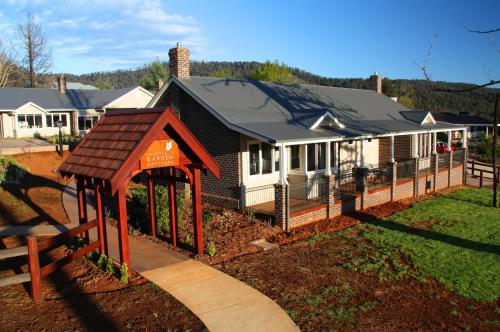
[
  {"x": 36, "y": 55},
  {"x": 401, "y": 89},
  {"x": 496, "y": 109},
  {"x": 273, "y": 72},
  {"x": 104, "y": 85},
  {"x": 155, "y": 72},
  {"x": 223, "y": 73},
  {"x": 7, "y": 65}
]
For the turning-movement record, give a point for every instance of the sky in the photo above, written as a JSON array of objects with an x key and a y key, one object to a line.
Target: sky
[{"x": 328, "y": 38}]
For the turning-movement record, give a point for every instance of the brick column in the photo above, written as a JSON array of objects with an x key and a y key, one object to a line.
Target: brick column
[
  {"x": 435, "y": 163},
  {"x": 415, "y": 177},
  {"x": 392, "y": 172},
  {"x": 330, "y": 195},
  {"x": 450, "y": 165},
  {"x": 281, "y": 206},
  {"x": 361, "y": 180}
]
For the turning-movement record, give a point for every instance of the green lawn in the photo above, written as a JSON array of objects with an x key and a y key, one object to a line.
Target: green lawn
[{"x": 454, "y": 239}]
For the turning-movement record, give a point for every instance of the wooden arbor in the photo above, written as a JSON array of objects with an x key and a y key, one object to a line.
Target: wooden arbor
[{"x": 126, "y": 142}]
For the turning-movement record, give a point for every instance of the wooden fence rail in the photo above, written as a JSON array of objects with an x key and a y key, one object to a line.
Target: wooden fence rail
[
  {"x": 35, "y": 247},
  {"x": 473, "y": 169}
]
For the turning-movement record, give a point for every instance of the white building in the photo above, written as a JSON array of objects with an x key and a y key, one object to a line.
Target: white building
[{"x": 28, "y": 112}]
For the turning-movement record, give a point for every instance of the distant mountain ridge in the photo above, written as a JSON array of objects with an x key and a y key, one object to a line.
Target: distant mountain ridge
[{"x": 477, "y": 102}]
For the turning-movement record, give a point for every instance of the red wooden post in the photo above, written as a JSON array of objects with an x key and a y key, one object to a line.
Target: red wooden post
[
  {"x": 122, "y": 227},
  {"x": 172, "y": 207},
  {"x": 197, "y": 211},
  {"x": 82, "y": 205},
  {"x": 34, "y": 267},
  {"x": 101, "y": 224},
  {"x": 151, "y": 204}
]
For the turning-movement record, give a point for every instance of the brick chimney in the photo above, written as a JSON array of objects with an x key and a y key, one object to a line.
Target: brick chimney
[
  {"x": 159, "y": 84},
  {"x": 179, "y": 61},
  {"x": 376, "y": 81},
  {"x": 61, "y": 84}
]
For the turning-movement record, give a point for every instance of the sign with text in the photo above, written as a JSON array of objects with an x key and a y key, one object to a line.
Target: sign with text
[{"x": 162, "y": 153}]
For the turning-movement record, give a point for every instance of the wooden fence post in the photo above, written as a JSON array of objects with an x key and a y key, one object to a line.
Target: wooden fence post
[
  {"x": 34, "y": 267},
  {"x": 480, "y": 178}
]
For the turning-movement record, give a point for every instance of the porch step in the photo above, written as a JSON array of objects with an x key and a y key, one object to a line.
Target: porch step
[{"x": 263, "y": 244}]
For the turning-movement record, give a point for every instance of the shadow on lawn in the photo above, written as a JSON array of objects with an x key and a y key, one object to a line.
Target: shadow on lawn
[
  {"x": 445, "y": 238},
  {"x": 89, "y": 313}
]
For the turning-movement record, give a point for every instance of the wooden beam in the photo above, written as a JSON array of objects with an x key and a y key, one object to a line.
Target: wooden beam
[
  {"x": 151, "y": 204},
  {"x": 101, "y": 223},
  {"x": 34, "y": 268},
  {"x": 197, "y": 211},
  {"x": 172, "y": 207},
  {"x": 13, "y": 252},
  {"x": 122, "y": 227},
  {"x": 82, "y": 205}
]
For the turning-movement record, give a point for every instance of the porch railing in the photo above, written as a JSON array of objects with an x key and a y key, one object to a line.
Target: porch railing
[
  {"x": 443, "y": 160},
  {"x": 378, "y": 176},
  {"x": 345, "y": 186},
  {"x": 404, "y": 169},
  {"x": 259, "y": 195},
  {"x": 424, "y": 165},
  {"x": 458, "y": 157},
  {"x": 307, "y": 194}
]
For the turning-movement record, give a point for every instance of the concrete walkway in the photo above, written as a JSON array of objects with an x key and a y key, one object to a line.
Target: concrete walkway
[
  {"x": 219, "y": 300},
  {"x": 68, "y": 196}
]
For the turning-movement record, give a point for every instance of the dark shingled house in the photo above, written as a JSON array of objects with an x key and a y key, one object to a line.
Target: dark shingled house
[{"x": 296, "y": 151}]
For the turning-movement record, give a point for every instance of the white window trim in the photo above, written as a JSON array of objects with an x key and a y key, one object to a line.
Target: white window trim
[
  {"x": 260, "y": 175},
  {"x": 316, "y": 159},
  {"x": 291, "y": 170},
  {"x": 331, "y": 117},
  {"x": 59, "y": 115}
]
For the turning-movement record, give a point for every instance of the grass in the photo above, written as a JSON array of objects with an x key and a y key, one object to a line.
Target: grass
[{"x": 459, "y": 247}]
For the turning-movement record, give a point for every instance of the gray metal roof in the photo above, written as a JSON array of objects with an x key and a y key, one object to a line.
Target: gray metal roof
[
  {"x": 284, "y": 112},
  {"x": 75, "y": 86},
  {"x": 12, "y": 98}
]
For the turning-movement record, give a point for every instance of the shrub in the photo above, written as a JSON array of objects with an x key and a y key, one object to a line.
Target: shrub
[
  {"x": 10, "y": 169},
  {"x": 75, "y": 243},
  {"x": 211, "y": 249},
  {"x": 137, "y": 208},
  {"x": 124, "y": 274},
  {"x": 110, "y": 266},
  {"x": 102, "y": 261},
  {"x": 187, "y": 240},
  {"x": 206, "y": 217}
]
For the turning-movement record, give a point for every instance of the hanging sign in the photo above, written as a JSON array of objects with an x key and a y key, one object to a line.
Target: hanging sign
[{"x": 161, "y": 153}]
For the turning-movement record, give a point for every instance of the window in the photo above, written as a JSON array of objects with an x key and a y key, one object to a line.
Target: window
[
  {"x": 267, "y": 166},
  {"x": 263, "y": 158},
  {"x": 87, "y": 122},
  {"x": 295, "y": 157},
  {"x": 276, "y": 158},
  {"x": 333, "y": 153},
  {"x": 311, "y": 157},
  {"x": 316, "y": 156},
  {"x": 29, "y": 121},
  {"x": 254, "y": 159},
  {"x": 53, "y": 119}
]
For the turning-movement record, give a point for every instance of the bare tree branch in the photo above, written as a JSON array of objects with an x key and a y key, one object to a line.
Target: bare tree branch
[
  {"x": 7, "y": 65},
  {"x": 36, "y": 55},
  {"x": 425, "y": 69},
  {"x": 483, "y": 31}
]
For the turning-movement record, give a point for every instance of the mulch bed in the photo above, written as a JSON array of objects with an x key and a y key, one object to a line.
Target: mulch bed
[
  {"x": 82, "y": 297},
  {"x": 36, "y": 200}
]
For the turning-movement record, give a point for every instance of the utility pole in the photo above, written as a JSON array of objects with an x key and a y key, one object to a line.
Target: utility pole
[{"x": 495, "y": 135}]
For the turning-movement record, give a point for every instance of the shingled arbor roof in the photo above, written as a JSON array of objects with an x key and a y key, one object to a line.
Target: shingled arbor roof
[
  {"x": 109, "y": 156},
  {"x": 112, "y": 149}
]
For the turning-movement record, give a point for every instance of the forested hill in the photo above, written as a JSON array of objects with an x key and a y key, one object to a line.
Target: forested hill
[{"x": 421, "y": 96}]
